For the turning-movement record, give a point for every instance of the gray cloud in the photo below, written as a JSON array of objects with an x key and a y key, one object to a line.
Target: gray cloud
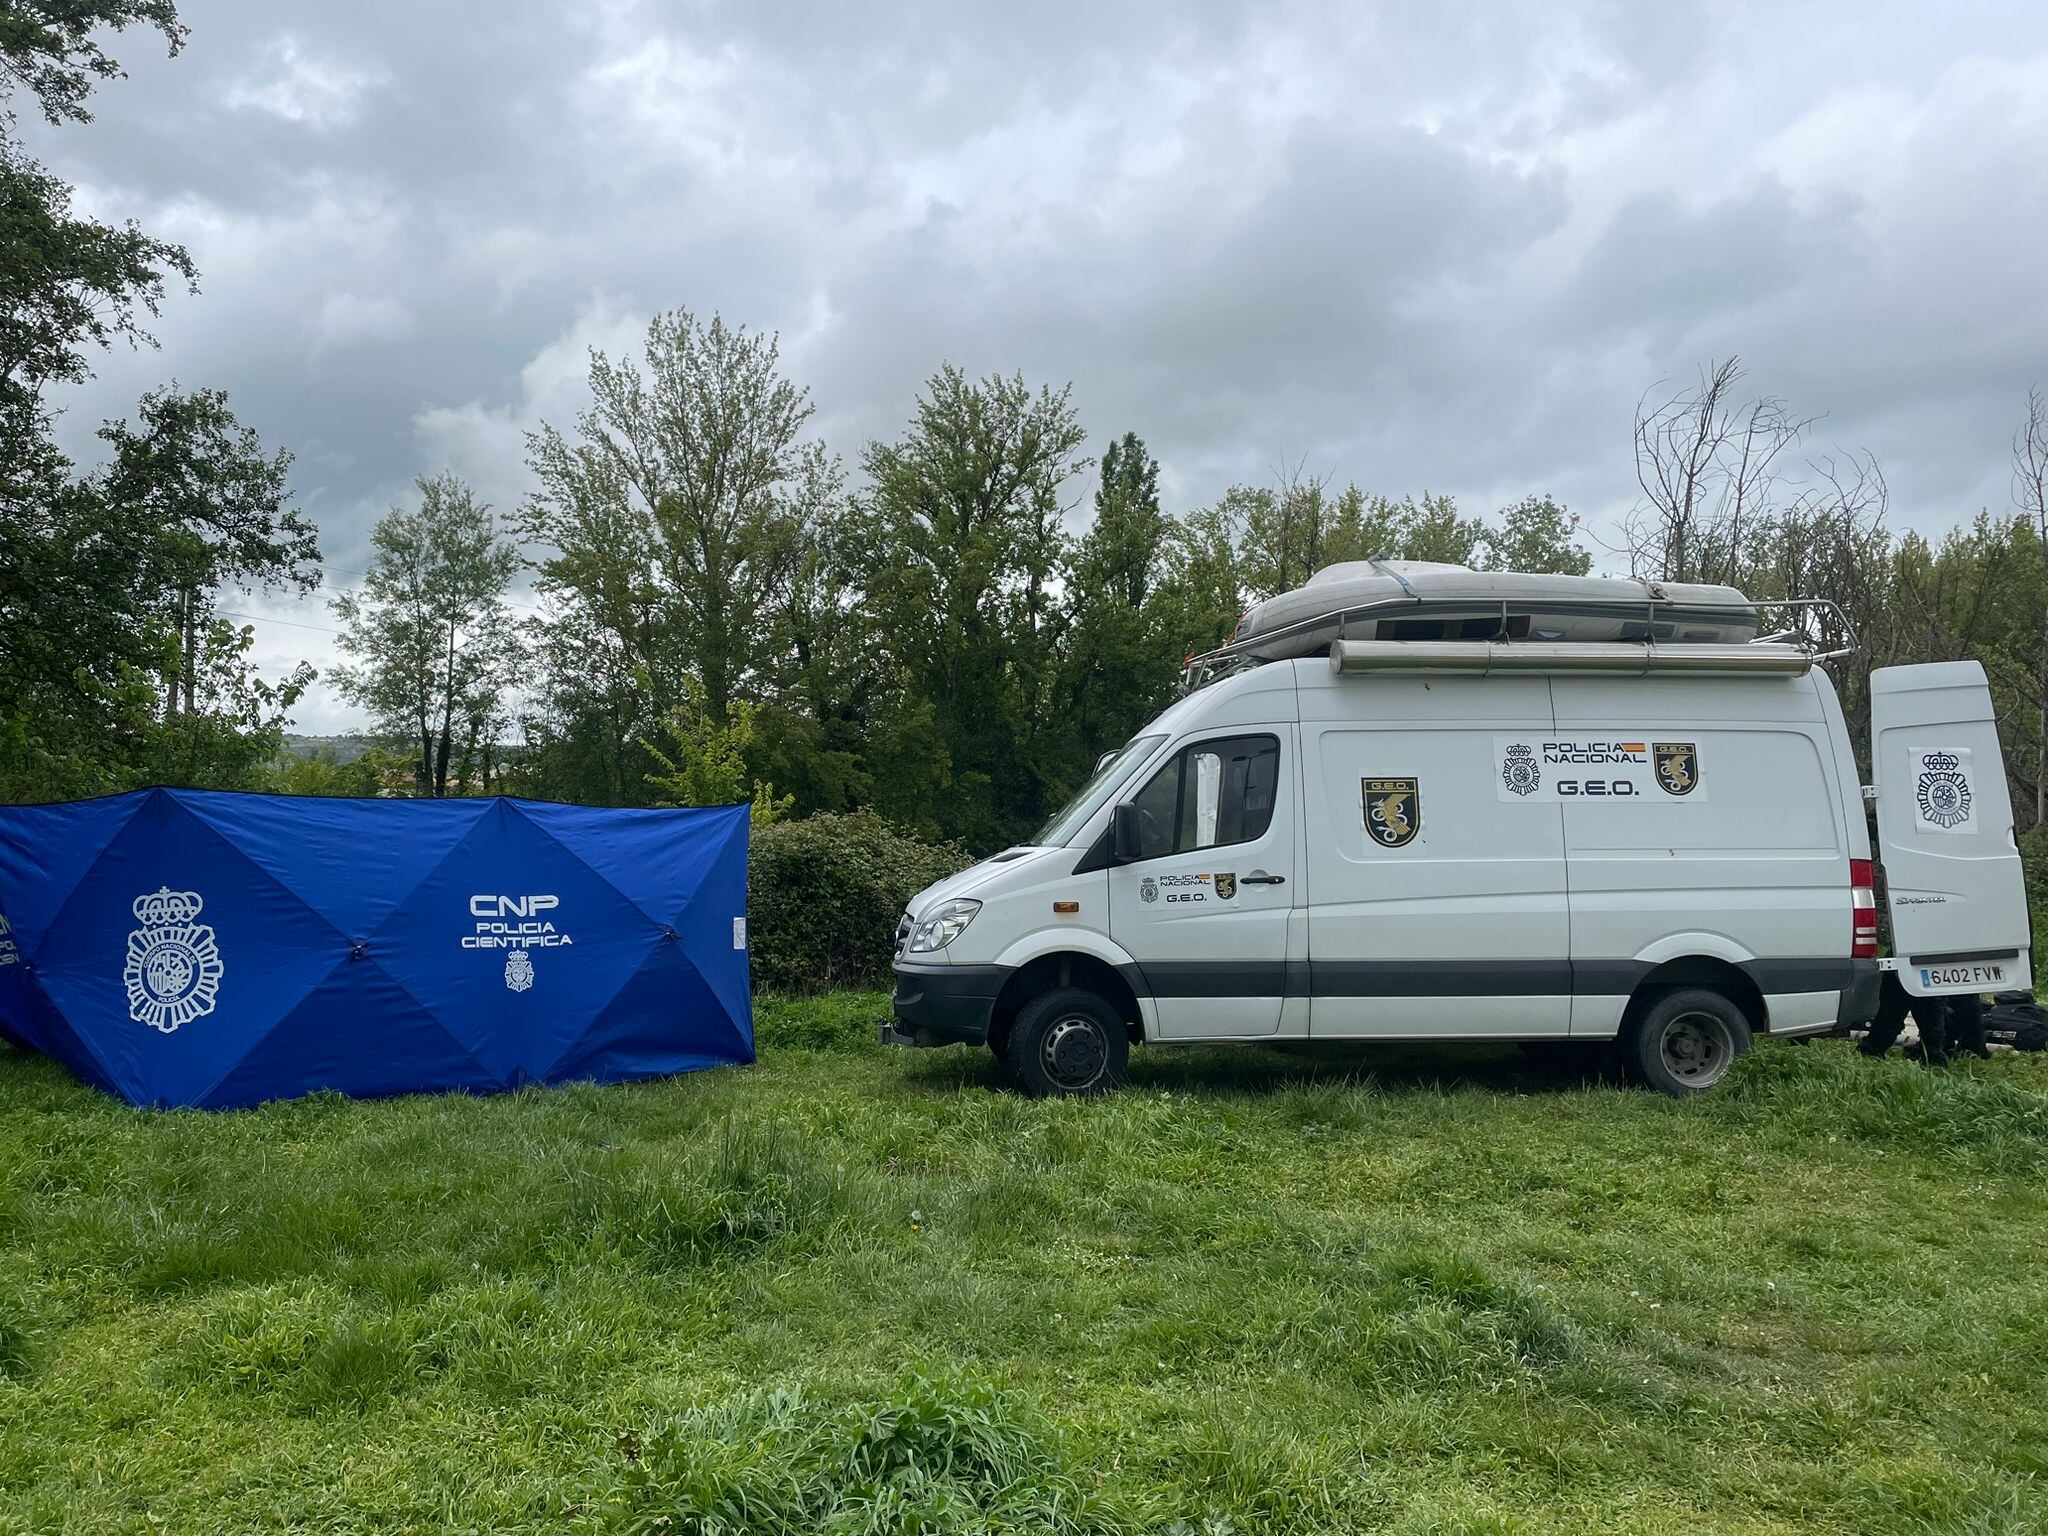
[{"x": 1412, "y": 247}]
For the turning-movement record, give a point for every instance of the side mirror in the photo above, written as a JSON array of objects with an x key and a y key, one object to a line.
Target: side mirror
[{"x": 1126, "y": 835}]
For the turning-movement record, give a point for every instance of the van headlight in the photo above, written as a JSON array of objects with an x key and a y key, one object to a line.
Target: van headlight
[{"x": 942, "y": 925}]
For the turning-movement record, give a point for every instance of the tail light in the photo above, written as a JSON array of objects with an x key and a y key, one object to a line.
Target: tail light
[{"x": 1862, "y": 910}]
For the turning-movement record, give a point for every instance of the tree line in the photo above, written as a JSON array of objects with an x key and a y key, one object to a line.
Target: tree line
[
  {"x": 952, "y": 638},
  {"x": 949, "y": 630}
]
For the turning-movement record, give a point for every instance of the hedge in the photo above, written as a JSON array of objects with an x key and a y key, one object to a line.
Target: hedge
[{"x": 824, "y": 895}]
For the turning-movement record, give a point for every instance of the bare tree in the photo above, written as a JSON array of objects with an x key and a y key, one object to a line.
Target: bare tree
[
  {"x": 1707, "y": 463},
  {"x": 2030, "y": 494},
  {"x": 1300, "y": 506}
]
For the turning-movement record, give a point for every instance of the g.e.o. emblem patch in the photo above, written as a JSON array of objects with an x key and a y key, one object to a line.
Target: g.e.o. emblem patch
[
  {"x": 1678, "y": 766},
  {"x": 1393, "y": 811}
]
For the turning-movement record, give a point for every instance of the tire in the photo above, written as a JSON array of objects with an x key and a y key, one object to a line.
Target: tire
[
  {"x": 1068, "y": 1043},
  {"x": 1684, "y": 1042}
]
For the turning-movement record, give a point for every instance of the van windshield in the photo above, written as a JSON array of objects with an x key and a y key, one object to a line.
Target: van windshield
[{"x": 1106, "y": 781}]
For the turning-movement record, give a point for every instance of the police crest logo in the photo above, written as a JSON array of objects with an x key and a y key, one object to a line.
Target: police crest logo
[
  {"x": 1148, "y": 889},
  {"x": 173, "y": 970},
  {"x": 1226, "y": 886},
  {"x": 518, "y": 970},
  {"x": 1393, "y": 811},
  {"x": 1518, "y": 769},
  {"x": 1944, "y": 790},
  {"x": 1678, "y": 766}
]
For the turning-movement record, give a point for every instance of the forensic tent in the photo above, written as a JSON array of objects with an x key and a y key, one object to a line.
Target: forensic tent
[{"x": 188, "y": 948}]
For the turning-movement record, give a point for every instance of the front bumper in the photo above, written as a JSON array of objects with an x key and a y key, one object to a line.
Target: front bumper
[{"x": 943, "y": 1004}]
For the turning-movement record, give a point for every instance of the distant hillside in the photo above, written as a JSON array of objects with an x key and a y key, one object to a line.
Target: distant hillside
[{"x": 346, "y": 749}]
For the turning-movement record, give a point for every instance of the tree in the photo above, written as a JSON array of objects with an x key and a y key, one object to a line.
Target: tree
[
  {"x": 68, "y": 285},
  {"x": 704, "y": 762},
  {"x": 324, "y": 771},
  {"x": 1707, "y": 464},
  {"x": 435, "y": 642},
  {"x": 220, "y": 509},
  {"x": 49, "y": 47},
  {"x": 1535, "y": 534},
  {"x": 1123, "y": 654},
  {"x": 77, "y": 620},
  {"x": 962, "y": 537},
  {"x": 677, "y": 512},
  {"x": 2030, "y": 494},
  {"x": 823, "y": 675}
]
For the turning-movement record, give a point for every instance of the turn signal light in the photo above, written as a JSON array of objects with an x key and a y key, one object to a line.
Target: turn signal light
[
  {"x": 1066, "y": 908},
  {"x": 1862, "y": 910}
]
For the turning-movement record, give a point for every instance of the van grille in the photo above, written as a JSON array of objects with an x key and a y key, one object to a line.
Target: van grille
[{"x": 903, "y": 927}]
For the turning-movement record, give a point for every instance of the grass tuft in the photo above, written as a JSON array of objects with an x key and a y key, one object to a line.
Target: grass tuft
[
  {"x": 938, "y": 1454},
  {"x": 1960, "y": 1111},
  {"x": 22, "y": 1332}
]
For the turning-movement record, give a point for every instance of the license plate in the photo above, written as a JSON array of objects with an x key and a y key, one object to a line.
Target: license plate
[{"x": 1970, "y": 976}]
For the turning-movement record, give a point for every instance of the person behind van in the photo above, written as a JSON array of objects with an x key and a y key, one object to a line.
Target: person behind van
[
  {"x": 1930, "y": 1017},
  {"x": 1966, "y": 1025},
  {"x": 1938, "y": 1019}
]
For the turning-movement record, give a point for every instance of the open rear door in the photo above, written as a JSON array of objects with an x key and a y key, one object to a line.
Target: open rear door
[{"x": 1952, "y": 870}]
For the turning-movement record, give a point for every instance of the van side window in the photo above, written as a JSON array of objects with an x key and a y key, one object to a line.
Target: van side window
[{"x": 1210, "y": 794}]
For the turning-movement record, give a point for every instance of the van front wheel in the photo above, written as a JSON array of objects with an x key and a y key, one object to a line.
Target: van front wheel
[
  {"x": 1068, "y": 1043},
  {"x": 1686, "y": 1041}
]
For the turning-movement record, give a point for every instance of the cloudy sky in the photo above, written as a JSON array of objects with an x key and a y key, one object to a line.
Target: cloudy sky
[{"x": 1388, "y": 243}]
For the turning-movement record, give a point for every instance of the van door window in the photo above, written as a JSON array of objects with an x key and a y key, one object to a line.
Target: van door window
[{"x": 1208, "y": 795}]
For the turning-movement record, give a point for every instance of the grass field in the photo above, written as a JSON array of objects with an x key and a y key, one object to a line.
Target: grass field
[{"x": 851, "y": 1289}]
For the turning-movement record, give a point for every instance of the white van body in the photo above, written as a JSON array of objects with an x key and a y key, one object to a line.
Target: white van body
[{"x": 1448, "y": 855}]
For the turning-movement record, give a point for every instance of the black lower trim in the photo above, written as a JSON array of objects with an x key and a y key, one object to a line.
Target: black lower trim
[
  {"x": 1452, "y": 978},
  {"x": 1801, "y": 975},
  {"x": 1961, "y": 957},
  {"x": 946, "y": 1004}
]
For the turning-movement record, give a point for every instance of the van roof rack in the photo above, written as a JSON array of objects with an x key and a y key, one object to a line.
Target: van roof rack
[{"x": 1811, "y": 629}]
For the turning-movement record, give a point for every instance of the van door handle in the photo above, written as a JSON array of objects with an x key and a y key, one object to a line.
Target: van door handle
[{"x": 1259, "y": 877}]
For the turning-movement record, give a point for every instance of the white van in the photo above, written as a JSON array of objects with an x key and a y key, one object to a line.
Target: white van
[{"x": 1486, "y": 841}]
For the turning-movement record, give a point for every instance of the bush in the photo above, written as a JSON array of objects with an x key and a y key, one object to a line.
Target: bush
[{"x": 824, "y": 894}]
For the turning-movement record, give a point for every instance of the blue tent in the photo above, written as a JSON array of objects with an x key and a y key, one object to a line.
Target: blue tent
[{"x": 180, "y": 947}]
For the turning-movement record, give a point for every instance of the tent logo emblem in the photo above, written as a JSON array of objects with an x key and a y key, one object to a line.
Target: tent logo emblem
[
  {"x": 519, "y": 970},
  {"x": 174, "y": 968}
]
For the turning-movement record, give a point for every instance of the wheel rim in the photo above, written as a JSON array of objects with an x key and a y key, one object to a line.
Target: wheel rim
[
  {"x": 1075, "y": 1051},
  {"x": 1697, "y": 1048}
]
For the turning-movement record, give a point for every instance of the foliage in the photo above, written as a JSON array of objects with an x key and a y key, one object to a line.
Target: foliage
[
  {"x": 962, "y": 536},
  {"x": 674, "y": 513},
  {"x": 705, "y": 764},
  {"x": 115, "y": 666},
  {"x": 1123, "y": 651},
  {"x": 68, "y": 286},
  {"x": 824, "y": 893},
  {"x": 323, "y": 772},
  {"x": 435, "y": 643},
  {"x": 1385, "y": 1288},
  {"x": 49, "y": 47},
  {"x": 219, "y": 514}
]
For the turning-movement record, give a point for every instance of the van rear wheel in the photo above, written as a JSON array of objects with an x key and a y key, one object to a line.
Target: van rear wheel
[
  {"x": 1685, "y": 1042},
  {"x": 1068, "y": 1043}
]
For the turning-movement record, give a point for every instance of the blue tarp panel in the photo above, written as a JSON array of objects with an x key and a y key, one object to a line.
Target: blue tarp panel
[{"x": 180, "y": 947}]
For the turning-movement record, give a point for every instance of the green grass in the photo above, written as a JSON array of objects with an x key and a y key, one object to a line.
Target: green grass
[{"x": 852, "y": 1289}]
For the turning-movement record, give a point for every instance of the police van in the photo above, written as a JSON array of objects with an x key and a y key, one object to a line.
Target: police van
[{"x": 1448, "y": 806}]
